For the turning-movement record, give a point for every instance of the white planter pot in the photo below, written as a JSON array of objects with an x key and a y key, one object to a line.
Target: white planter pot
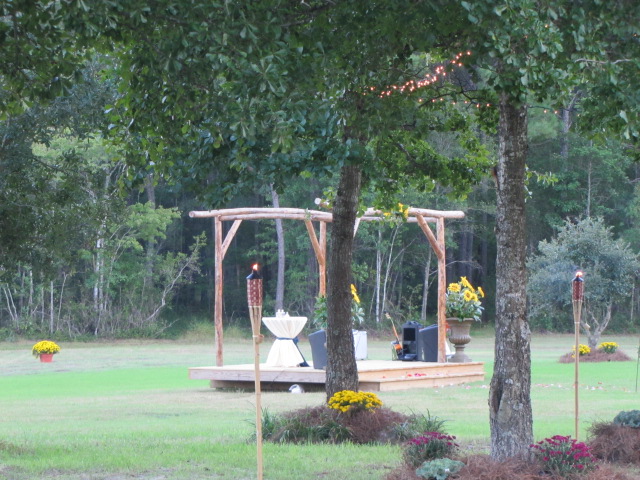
[{"x": 360, "y": 344}]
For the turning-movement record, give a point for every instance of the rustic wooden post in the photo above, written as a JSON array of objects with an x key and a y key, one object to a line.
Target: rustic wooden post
[
  {"x": 322, "y": 269},
  {"x": 320, "y": 249},
  {"x": 437, "y": 244},
  {"x": 217, "y": 309},
  {"x": 442, "y": 293}
]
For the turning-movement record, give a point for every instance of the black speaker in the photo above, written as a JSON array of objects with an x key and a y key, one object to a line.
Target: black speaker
[
  {"x": 318, "y": 341},
  {"x": 428, "y": 344},
  {"x": 410, "y": 341}
]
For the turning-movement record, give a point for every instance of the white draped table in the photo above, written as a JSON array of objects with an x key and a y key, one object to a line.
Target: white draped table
[{"x": 284, "y": 352}]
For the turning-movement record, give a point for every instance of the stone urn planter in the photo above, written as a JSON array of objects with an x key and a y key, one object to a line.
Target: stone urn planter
[{"x": 459, "y": 337}]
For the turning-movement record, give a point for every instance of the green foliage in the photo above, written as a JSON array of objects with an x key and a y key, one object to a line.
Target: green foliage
[
  {"x": 47, "y": 186},
  {"x": 416, "y": 424},
  {"x": 294, "y": 429},
  {"x": 594, "y": 179},
  {"x": 630, "y": 418},
  {"x": 40, "y": 59},
  {"x": 439, "y": 469},
  {"x": 320, "y": 311}
]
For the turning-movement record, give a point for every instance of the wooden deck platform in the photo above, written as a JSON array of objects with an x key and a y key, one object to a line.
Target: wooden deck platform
[{"x": 374, "y": 375}]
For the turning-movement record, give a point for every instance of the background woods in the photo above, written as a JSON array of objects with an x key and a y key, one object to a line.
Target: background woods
[{"x": 91, "y": 256}]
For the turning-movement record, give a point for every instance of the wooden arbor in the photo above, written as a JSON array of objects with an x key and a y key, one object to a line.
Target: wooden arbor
[{"x": 415, "y": 215}]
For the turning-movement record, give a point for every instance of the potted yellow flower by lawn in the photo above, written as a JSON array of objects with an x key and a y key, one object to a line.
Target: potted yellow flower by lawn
[
  {"x": 463, "y": 309},
  {"x": 45, "y": 349}
]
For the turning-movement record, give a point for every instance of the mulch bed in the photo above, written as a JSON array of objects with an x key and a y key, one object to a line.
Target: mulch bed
[
  {"x": 597, "y": 356},
  {"x": 483, "y": 467},
  {"x": 615, "y": 443}
]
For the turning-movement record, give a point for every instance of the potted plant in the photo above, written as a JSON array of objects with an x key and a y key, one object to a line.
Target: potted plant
[
  {"x": 45, "y": 350},
  {"x": 463, "y": 308}
]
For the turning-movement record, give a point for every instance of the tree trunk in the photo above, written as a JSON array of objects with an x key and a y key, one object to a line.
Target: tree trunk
[
  {"x": 599, "y": 322},
  {"x": 379, "y": 306},
  {"x": 587, "y": 212},
  {"x": 510, "y": 395},
  {"x": 150, "y": 189},
  {"x": 342, "y": 372},
  {"x": 566, "y": 126},
  {"x": 281, "y": 257}
]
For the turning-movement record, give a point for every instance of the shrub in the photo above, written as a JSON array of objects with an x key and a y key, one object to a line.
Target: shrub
[
  {"x": 313, "y": 425},
  {"x": 564, "y": 456},
  {"x": 629, "y": 418},
  {"x": 324, "y": 425},
  {"x": 428, "y": 446},
  {"x": 439, "y": 469},
  {"x": 415, "y": 424},
  {"x": 608, "y": 347}
]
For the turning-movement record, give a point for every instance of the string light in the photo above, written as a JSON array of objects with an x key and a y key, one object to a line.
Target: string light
[{"x": 413, "y": 85}]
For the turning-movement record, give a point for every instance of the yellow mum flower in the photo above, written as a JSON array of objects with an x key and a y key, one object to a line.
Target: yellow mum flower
[{"x": 346, "y": 400}]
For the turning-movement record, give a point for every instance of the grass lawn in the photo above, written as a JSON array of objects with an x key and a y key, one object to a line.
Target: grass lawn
[{"x": 126, "y": 410}]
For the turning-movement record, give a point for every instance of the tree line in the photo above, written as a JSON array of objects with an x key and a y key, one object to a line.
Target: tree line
[{"x": 111, "y": 256}]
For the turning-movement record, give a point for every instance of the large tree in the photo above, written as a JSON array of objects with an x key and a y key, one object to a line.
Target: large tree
[
  {"x": 534, "y": 51},
  {"x": 262, "y": 91}
]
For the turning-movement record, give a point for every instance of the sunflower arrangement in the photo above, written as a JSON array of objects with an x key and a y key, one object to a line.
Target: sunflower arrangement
[{"x": 463, "y": 300}]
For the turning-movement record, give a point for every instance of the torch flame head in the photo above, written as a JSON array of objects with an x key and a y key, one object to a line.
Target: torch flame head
[
  {"x": 255, "y": 274},
  {"x": 578, "y": 287},
  {"x": 254, "y": 287}
]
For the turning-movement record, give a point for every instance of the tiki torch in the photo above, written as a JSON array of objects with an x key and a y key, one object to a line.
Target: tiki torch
[
  {"x": 254, "y": 298},
  {"x": 578, "y": 295}
]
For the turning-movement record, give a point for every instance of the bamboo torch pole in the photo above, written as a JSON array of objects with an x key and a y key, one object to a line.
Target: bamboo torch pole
[
  {"x": 578, "y": 295},
  {"x": 254, "y": 298}
]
